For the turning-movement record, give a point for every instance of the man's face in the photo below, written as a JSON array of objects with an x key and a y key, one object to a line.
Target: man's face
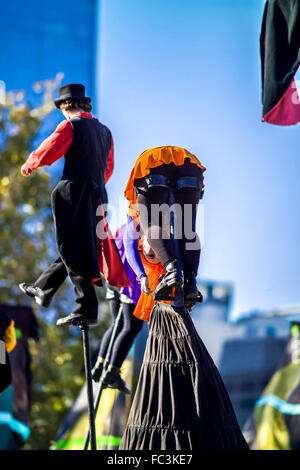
[
  {"x": 65, "y": 113},
  {"x": 148, "y": 253}
]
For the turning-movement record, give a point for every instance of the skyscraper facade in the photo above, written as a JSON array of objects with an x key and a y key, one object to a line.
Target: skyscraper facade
[{"x": 41, "y": 38}]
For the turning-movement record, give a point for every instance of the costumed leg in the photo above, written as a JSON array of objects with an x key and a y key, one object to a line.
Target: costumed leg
[
  {"x": 132, "y": 326},
  {"x": 153, "y": 207},
  {"x": 187, "y": 197},
  {"x": 114, "y": 309},
  {"x": 120, "y": 348},
  {"x": 158, "y": 238},
  {"x": 45, "y": 287},
  {"x": 85, "y": 297}
]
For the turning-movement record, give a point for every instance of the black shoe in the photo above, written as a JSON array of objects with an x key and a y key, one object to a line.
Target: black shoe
[
  {"x": 35, "y": 293},
  {"x": 76, "y": 319},
  {"x": 97, "y": 371},
  {"x": 191, "y": 292},
  {"x": 113, "y": 379},
  {"x": 172, "y": 278}
]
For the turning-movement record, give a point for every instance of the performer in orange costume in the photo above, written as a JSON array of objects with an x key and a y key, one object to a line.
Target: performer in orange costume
[
  {"x": 153, "y": 269},
  {"x": 148, "y": 192}
]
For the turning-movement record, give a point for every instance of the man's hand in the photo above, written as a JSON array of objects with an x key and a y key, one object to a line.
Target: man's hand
[
  {"x": 24, "y": 171},
  {"x": 145, "y": 286}
]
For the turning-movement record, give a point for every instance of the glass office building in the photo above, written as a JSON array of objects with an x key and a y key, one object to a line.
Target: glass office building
[
  {"x": 40, "y": 38},
  {"x": 46, "y": 40}
]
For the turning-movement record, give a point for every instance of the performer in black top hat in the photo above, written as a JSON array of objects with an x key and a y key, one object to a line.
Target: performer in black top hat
[{"x": 88, "y": 149}]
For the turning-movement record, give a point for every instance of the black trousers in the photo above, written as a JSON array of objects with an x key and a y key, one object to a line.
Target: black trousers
[
  {"x": 128, "y": 327},
  {"x": 84, "y": 291},
  {"x": 187, "y": 200}
]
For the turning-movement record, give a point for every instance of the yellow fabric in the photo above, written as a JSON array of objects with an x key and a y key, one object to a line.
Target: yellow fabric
[
  {"x": 146, "y": 302},
  {"x": 74, "y": 437},
  {"x": 272, "y": 433},
  {"x": 153, "y": 158},
  {"x": 9, "y": 337}
]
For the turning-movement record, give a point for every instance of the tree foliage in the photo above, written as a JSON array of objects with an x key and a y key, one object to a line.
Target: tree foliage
[{"x": 24, "y": 203}]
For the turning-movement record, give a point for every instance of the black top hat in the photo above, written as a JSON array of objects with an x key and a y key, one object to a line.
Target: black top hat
[{"x": 72, "y": 91}]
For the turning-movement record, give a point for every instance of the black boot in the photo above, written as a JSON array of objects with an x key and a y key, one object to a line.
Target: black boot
[
  {"x": 172, "y": 278},
  {"x": 191, "y": 292},
  {"x": 97, "y": 370},
  {"x": 35, "y": 293},
  {"x": 113, "y": 379},
  {"x": 76, "y": 319}
]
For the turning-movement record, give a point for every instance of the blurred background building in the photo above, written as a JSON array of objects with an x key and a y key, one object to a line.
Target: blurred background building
[
  {"x": 246, "y": 351},
  {"x": 42, "y": 38},
  {"x": 45, "y": 44}
]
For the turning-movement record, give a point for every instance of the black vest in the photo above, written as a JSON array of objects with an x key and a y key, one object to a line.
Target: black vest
[{"x": 87, "y": 155}]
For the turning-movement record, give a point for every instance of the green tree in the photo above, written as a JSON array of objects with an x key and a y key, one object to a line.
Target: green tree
[{"x": 24, "y": 218}]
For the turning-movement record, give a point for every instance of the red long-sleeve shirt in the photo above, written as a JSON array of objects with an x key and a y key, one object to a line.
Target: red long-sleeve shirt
[{"x": 57, "y": 145}]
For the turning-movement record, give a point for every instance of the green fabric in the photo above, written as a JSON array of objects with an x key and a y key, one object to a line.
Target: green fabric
[
  {"x": 18, "y": 333},
  {"x": 107, "y": 441}
]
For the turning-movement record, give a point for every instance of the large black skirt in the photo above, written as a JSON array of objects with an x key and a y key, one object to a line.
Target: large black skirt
[{"x": 180, "y": 401}]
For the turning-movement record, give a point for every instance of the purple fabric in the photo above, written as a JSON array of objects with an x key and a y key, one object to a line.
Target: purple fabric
[
  {"x": 134, "y": 291},
  {"x": 131, "y": 243}
]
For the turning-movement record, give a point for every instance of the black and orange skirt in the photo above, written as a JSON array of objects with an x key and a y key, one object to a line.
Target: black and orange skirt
[
  {"x": 180, "y": 402},
  {"x": 153, "y": 158}
]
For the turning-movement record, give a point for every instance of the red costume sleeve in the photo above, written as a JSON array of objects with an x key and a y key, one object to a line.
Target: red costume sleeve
[
  {"x": 52, "y": 148},
  {"x": 109, "y": 163}
]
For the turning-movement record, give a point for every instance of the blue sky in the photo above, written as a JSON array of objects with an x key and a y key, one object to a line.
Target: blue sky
[{"x": 188, "y": 74}]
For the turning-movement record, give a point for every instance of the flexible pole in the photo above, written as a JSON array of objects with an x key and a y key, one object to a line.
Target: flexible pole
[
  {"x": 87, "y": 363},
  {"x": 105, "y": 365}
]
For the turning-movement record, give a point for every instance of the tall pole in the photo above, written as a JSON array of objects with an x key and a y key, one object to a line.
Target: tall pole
[
  {"x": 105, "y": 365},
  {"x": 87, "y": 364}
]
